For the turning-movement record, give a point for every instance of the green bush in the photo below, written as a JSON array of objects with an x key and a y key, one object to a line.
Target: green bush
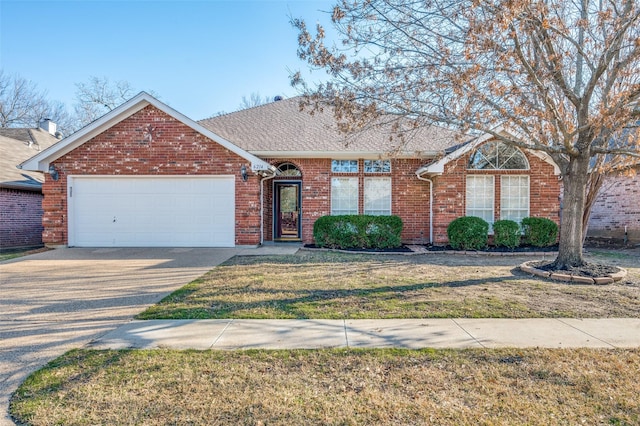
[
  {"x": 506, "y": 233},
  {"x": 468, "y": 233},
  {"x": 358, "y": 231},
  {"x": 539, "y": 231}
]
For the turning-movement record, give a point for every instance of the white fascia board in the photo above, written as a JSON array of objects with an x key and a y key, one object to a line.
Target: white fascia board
[
  {"x": 256, "y": 163},
  {"x": 341, "y": 155},
  {"x": 437, "y": 168},
  {"x": 41, "y": 161},
  {"x": 547, "y": 159}
]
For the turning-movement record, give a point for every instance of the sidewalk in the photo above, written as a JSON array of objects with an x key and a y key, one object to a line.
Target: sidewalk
[{"x": 396, "y": 333}]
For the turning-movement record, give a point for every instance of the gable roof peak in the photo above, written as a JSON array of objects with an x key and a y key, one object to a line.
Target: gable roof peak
[{"x": 143, "y": 99}]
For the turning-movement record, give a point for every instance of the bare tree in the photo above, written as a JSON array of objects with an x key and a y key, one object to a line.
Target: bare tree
[
  {"x": 562, "y": 76},
  {"x": 254, "y": 100},
  {"x": 22, "y": 104},
  {"x": 98, "y": 96}
]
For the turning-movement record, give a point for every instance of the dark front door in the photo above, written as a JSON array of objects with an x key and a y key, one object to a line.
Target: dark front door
[{"x": 287, "y": 211}]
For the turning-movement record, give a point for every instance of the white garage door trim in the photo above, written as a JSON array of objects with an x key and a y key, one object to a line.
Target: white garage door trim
[{"x": 151, "y": 211}]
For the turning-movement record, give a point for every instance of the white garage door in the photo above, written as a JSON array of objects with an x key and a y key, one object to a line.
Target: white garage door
[{"x": 152, "y": 211}]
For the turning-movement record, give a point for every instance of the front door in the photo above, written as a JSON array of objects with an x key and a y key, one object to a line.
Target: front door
[{"x": 287, "y": 210}]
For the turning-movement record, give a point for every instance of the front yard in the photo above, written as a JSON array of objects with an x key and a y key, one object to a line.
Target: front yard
[
  {"x": 329, "y": 285},
  {"x": 335, "y": 387},
  {"x": 350, "y": 386}
]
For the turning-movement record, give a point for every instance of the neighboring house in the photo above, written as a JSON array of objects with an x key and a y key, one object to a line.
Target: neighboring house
[
  {"x": 146, "y": 175},
  {"x": 616, "y": 212},
  {"x": 21, "y": 191}
]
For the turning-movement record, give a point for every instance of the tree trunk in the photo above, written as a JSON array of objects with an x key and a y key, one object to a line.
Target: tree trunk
[{"x": 570, "y": 244}]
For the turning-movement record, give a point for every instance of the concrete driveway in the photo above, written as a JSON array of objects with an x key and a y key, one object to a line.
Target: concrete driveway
[{"x": 62, "y": 299}]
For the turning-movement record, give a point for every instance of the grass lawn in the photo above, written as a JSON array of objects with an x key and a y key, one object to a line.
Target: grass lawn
[
  {"x": 357, "y": 387},
  {"x": 328, "y": 285},
  {"x": 335, "y": 387},
  {"x": 11, "y": 254}
]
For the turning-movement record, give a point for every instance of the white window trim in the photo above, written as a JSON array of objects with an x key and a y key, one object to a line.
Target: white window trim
[
  {"x": 364, "y": 189},
  {"x": 364, "y": 166},
  {"x": 352, "y": 178},
  {"x": 357, "y": 170},
  {"x": 502, "y": 192},
  {"x": 493, "y": 192}
]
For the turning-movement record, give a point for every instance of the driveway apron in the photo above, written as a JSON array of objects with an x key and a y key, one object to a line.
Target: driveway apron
[{"x": 54, "y": 301}]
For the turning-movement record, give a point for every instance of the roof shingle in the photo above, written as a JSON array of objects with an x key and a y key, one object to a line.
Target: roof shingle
[
  {"x": 16, "y": 146},
  {"x": 280, "y": 127}
]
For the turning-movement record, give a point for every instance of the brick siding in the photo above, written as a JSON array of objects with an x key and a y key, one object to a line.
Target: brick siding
[
  {"x": 450, "y": 193},
  {"x": 410, "y": 196},
  {"x": 20, "y": 218},
  {"x": 617, "y": 207},
  {"x": 175, "y": 149}
]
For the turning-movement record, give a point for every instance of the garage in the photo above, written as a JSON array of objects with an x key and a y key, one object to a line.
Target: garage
[{"x": 151, "y": 211}]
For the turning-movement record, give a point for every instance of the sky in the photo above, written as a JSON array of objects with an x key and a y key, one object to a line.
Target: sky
[{"x": 199, "y": 57}]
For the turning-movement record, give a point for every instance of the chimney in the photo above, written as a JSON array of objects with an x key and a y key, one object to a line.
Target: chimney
[{"x": 48, "y": 126}]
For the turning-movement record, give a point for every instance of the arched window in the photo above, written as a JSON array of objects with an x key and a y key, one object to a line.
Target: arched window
[
  {"x": 498, "y": 156},
  {"x": 289, "y": 170}
]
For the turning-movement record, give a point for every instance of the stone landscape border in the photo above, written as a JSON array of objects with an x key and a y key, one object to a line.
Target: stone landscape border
[{"x": 609, "y": 279}]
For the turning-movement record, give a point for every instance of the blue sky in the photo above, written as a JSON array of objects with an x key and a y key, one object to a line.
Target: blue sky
[{"x": 200, "y": 57}]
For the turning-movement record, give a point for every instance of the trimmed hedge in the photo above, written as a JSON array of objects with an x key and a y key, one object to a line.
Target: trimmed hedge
[
  {"x": 506, "y": 233},
  {"x": 358, "y": 231},
  {"x": 468, "y": 233},
  {"x": 539, "y": 231}
]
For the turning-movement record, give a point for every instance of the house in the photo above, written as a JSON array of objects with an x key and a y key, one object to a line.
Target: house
[
  {"x": 21, "y": 191},
  {"x": 146, "y": 175},
  {"x": 615, "y": 216}
]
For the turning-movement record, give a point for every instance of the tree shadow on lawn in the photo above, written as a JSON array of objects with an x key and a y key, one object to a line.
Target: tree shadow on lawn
[{"x": 266, "y": 306}]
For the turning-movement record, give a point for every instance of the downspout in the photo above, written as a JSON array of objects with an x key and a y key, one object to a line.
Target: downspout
[
  {"x": 262, "y": 205},
  {"x": 430, "y": 206}
]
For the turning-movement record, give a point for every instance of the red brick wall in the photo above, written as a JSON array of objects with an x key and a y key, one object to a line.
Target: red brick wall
[
  {"x": 20, "y": 218},
  {"x": 410, "y": 196},
  {"x": 617, "y": 206},
  {"x": 175, "y": 149},
  {"x": 449, "y": 192}
]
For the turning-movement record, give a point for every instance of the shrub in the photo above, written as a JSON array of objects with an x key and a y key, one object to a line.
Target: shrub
[
  {"x": 468, "y": 233},
  {"x": 539, "y": 231},
  {"x": 506, "y": 233},
  {"x": 358, "y": 231}
]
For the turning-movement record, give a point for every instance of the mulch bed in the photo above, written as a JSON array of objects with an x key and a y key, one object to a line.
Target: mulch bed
[
  {"x": 434, "y": 248},
  {"x": 592, "y": 270},
  {"x": 401, "y": 249},
  {"x": 494, "y": 249}
]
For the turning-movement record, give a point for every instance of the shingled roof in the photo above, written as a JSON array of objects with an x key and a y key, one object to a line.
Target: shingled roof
[
  {"x": 17, "y": 145},
  {"x": 279, "y": 128}
]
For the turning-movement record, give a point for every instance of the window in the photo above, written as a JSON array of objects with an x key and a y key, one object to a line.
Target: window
[
  {"x": 498, "y": 156},
  {"x": 514, "y": 197},
  {"x": 344, "y": 195},
  {"x": 480, "y": 196},
  {"x": 377, "y": 196},
  {"x": 344, "y": 166},
  {"x": 377, "y": 166},
  {"x": 288, "y": 169}
]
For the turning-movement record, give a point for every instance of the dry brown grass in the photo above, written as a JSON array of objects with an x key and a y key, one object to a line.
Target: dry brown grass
[
  {"x": 335, "y": 286},
  {"x": 335, "y": 387}
]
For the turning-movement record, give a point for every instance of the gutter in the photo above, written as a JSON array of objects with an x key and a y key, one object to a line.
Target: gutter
[
  {"x": 21, "y": 187},
  {"x": 430, "y": 205}
]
